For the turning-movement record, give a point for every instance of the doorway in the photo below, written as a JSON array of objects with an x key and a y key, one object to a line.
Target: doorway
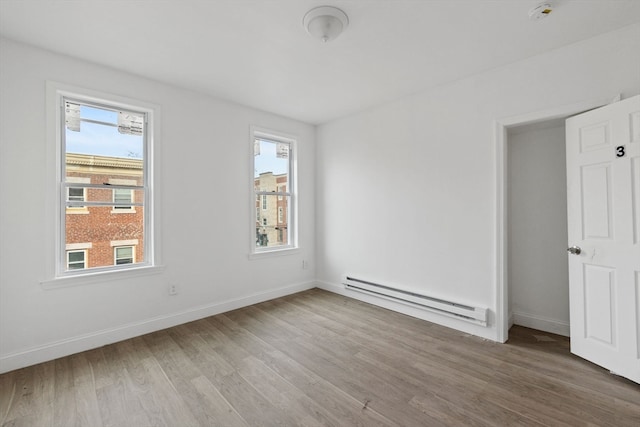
[
  {"x": 538, "y": 274},
  {"x": 538, "y": 119}
]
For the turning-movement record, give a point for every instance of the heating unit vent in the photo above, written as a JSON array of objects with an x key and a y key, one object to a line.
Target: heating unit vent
[{"x": 449, "y": 308}]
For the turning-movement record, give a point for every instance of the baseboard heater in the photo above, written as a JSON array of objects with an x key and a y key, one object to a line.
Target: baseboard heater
[{"x": 437, "y": 305}]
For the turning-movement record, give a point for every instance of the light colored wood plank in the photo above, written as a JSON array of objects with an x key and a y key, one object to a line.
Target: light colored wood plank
[
  {"x": 284, "y": 396},
  {"x": 316, "y": 358},
  {"x": 218, "y": 411},
  {"x": 353, "y": 377},
  {"x": 65, "y": 410},
  {"x": 334, "y": 400},
  {"x": 8, "y": 390},
  {"x": 119, "y": 405}
]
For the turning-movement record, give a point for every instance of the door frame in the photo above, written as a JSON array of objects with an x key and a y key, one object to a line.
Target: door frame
[{"x": 501, "y": 238}]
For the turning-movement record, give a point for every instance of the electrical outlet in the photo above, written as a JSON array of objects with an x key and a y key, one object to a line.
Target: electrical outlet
[
  {"x": 173, "y": 289},
  {"x": 305, "y": 264}
]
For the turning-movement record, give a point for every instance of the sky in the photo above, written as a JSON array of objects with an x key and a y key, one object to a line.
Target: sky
[
  {"x": 101, "y": 140},
  {"x": 267, "y": 161}
]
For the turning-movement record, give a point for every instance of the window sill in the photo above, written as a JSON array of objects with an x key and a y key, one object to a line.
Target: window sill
[
  {"x": 273, "y": 253},
  {"x": 79, "y": 211},
  {"x": 101, "y": 276}
]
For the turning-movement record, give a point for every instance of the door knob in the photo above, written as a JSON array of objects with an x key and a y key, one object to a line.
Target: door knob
[{"x": 574, "y": 250}]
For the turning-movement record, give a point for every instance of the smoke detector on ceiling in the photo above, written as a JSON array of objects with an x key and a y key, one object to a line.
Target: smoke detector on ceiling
[{"x": 541, "y": 11}]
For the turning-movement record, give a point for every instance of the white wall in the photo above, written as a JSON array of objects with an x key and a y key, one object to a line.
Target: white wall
[
  {"x": 537, "y": 227},
  {"x": 406, "y": 192},
  {"x": 205, "y": 214}
]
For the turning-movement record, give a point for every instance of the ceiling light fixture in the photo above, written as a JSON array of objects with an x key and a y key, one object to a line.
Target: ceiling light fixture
[{"x": 325, "y": 22}]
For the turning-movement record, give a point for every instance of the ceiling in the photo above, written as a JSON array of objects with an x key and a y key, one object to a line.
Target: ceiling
[{"x": 257, "y": 53}]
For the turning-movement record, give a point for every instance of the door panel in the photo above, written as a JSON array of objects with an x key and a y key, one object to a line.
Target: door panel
[
  {"x": 596, "y": 196},
  {"x": 603, "y": 202},
  {"x": 594, "y": 137},
  {"x": 599, "y": 310},
  {"x": 635, "y": 184}
]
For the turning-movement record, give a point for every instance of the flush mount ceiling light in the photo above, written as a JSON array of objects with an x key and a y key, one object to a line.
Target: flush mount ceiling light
[{"x": 325, "y": 22}]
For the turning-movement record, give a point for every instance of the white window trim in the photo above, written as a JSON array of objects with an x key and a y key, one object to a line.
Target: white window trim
[
  {"x": 54, "y": 274},
  {"x": 77, "y": 246},
  {"x": 131, "y": 242},
  {"x": 292, "y": 246}
]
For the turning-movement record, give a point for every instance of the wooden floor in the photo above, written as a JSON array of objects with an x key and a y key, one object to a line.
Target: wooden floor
[{"x": 318, "y": 359}]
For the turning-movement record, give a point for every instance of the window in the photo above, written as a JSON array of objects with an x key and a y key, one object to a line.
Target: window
[
  {"x": 123, "y": 199},
  {"x": 76, "y": 260},
  {"x": 104, "y": 169},
  {"x": 124, "y": 255},
  {"x": 76, "y": 195},
  {"x": 272, "y": 184}
]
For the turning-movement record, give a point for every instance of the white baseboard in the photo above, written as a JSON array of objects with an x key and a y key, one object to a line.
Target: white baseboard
[
  {"x": 97, "y": 339},
  {"x": 532, "y": 321},
  {"x": 487, "y": 332}
]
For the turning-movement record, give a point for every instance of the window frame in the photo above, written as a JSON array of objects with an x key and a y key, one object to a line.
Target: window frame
[
  {"x": 56, "y": 274},
  {"x": 291, "y": 193}
]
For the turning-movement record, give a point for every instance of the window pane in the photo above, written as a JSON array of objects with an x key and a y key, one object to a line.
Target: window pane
[
  {"x": 104, "y": 149},
  {"x": 121, "y": 195},
  {"x": 104, "y": 139},
  {"x": 76, "y": 256},
  {"x": 126, "y": 252},
  {"x": 124, "y": 255},
  {"x": 76, "y": 194},
  {"x": 271, "y": 165},
  {"x": 272, "y": 226},
  {"x": 75, "y": 260}
]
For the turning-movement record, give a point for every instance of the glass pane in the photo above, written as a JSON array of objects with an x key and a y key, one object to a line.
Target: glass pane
[
  {"x": 102, "y": 151},
  {"x": 121, "y": 195},
  {"x": 77, "y": 266},
  {"x": 104, "y": 227},
  {"x": 271, "y": 171},
  {"x": 104, "y": 147},
  {"x": 76, "y": 256},
  {"x": 272, "y": 228},
  {"x": 76, "y": 194},
  {"x": 126, "y": 252},
  {"x": 102, "y": 139}
]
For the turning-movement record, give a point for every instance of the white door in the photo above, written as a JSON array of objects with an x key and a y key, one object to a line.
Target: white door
[{"x": 603, "y": 197}]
